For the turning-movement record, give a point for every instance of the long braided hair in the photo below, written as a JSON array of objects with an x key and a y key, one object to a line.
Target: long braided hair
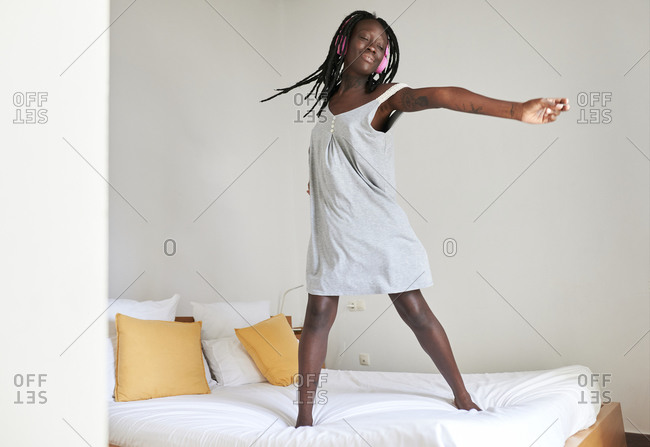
[{"x": 329, "y": 74}]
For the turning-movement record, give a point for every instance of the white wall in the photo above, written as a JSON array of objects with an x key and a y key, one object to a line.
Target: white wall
[
  {"x": 186, "y": 122},
  {"x": 554, "y": 271},
  {"x": 54, "y": 222}
]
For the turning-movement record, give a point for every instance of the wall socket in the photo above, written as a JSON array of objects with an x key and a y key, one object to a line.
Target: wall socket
[
  {"x": 356, "y": 305},
  {"x": 364, "y": 359}
]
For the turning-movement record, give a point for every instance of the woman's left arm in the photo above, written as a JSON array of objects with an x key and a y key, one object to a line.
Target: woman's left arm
[{"x": 534, "y": 111}]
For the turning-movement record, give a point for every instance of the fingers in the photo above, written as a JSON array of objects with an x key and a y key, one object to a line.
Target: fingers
[
  {"x": 554, "y": 106},
  {"x": 561, "y": 104},
  {"x": 544, "y": 110}
]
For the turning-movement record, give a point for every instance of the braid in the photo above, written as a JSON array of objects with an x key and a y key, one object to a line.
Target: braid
[{"x": 329, "y": 74}]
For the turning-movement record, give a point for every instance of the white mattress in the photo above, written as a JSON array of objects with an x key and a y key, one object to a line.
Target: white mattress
[{"x": 364, "y": 408}]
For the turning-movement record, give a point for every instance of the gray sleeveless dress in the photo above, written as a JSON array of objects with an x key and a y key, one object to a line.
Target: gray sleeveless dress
[{"x": 361, "y": 240}]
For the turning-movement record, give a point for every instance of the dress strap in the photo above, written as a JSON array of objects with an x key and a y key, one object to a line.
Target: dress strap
[{"x": 391, "y": 91}]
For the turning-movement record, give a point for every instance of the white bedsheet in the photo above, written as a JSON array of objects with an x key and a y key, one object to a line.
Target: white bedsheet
[{"x": 521, "y": 409}]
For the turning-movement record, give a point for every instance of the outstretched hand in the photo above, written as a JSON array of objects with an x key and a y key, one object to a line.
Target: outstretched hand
[{"x": 543, "y": 110}]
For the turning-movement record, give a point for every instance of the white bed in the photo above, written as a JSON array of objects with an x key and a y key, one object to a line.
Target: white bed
[{"x": 361, "y": 408}]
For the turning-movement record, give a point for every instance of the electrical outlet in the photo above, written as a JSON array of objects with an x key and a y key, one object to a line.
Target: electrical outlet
[
  {"x": 364, "y": 359},
  {"x": 356, "y": 305}
]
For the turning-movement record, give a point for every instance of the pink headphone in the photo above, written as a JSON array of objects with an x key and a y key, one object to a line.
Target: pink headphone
[{"x": 382, "y": 65}]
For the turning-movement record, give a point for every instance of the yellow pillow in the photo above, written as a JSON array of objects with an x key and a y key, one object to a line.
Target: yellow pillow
[
  {"x": 157, "y": 359},
  {"x": 273, "y": 347}
]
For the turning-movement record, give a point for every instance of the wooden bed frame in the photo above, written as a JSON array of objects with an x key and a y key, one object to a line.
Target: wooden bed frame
[{"x": 607, "y": 431}]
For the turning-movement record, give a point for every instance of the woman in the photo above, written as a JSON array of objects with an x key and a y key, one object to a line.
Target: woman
[{"x": 361, "y": 241}]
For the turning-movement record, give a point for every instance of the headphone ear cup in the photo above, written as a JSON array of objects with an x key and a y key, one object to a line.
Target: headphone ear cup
[{"x": 384, "y": 62}]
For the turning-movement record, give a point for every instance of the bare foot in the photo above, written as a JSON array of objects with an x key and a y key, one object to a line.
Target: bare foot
[
  {"x": 465, "y": 403},
  {"x": 304, "y": 422}
]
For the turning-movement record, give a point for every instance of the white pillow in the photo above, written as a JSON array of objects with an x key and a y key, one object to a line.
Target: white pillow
[
  {"x": 220, "y": 319},
  {"x": 230, "y": 363},
  {"x": 145, "y": 310},
  {"x": 110, "y": 369},
  {"x": 212, "y": 384}
]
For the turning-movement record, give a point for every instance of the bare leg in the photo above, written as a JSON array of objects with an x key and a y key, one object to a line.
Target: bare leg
[
  {"x": 415, "y": 311},
  {"x": 319, "y": 317}
]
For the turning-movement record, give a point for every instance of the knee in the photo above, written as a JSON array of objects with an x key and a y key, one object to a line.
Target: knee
[
  {"x": 416, "y": 315},
  {"x": 320, "y": 314},
  {"x": 418, "y": 320}
]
